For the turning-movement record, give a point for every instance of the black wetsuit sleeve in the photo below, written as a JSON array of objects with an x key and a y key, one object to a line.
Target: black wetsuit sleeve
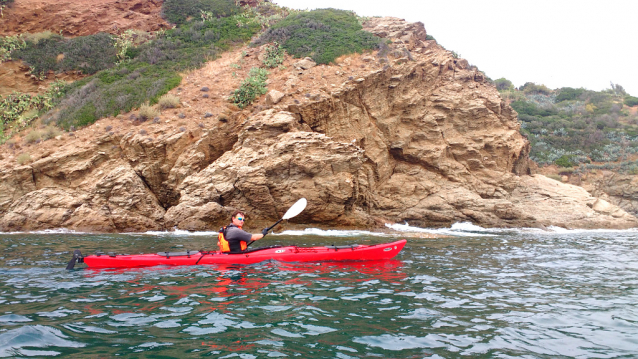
[{"x": 235, "y": 236}]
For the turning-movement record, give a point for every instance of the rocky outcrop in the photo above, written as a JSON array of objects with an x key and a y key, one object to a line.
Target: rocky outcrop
[
  {"x": 420, "y": 136},
  {"x": 15, "y": 77},
  {"x": 275, "y": 161},
  {"x": 618, "y": 189}
]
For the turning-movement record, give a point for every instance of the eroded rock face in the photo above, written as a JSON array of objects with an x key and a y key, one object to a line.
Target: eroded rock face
[
  {"x": 618, "y": 189},
  {"x": 276, "y": 161},
  {"x": 422, "y": 138}
]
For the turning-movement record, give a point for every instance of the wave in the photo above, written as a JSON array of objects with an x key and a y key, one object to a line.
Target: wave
[
  {"x": 49, "y": 231},
  {"x": 459, "y": 229},
  {"x": 467, "y": 229},
  {"x": 333, "y": 233},
  {"x": 177, "y": 233}
]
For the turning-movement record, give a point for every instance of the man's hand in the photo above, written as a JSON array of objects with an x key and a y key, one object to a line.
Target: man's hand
[{"x": 264, "y": 231}]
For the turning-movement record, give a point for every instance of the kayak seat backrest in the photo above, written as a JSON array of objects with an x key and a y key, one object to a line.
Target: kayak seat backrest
[
  {"x": 177, "y": 254},
  {"x": 350, "y": 246}
]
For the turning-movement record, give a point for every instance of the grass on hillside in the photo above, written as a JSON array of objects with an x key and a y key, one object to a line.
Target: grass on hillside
[
  {"x": 569, "y": 126},
  {"x": 151, "y": 72},
  {"x": 179, "y": 12},
  {"x": 143, "y": 73},
  {"x": 88, "y": 54},
  {"x": 322, "y": 35}
]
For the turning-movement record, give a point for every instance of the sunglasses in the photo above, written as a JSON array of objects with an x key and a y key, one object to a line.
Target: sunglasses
[{"x": 240, "y": 219}]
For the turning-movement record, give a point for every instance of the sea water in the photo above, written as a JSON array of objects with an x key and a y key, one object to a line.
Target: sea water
[{"x": 477, "y": 293}]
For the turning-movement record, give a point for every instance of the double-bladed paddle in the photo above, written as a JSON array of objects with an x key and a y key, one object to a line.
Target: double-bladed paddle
[{"x": 293, "y": 211}]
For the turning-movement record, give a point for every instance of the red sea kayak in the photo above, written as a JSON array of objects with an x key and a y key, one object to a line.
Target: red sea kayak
[{"x": 278, "y": 253}]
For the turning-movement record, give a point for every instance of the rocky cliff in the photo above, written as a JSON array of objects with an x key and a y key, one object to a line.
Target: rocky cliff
[
  {"x": 409, "y": 133},
  {"x": 619, "y": 189}
]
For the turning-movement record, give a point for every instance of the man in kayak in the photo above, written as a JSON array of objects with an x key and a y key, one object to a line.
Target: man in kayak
[{"x": 233, "y": 238}]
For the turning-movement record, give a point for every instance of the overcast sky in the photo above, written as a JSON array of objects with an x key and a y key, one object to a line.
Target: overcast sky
[{"x": 558, "y": 43}]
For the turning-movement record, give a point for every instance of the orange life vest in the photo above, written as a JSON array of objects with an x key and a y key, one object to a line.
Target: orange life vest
[{"x": 223, "y": 244}]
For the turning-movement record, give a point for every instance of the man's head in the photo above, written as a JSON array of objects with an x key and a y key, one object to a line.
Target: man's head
[{"x": 238, "y": 218}]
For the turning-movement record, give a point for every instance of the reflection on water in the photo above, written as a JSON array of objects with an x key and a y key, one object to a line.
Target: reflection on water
[{"x": 510, "y": 294}]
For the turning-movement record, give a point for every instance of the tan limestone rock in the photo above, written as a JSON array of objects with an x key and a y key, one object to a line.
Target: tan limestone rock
[
  {"x": 305, "y": 64},
  {"x": 273, "y": 97}
]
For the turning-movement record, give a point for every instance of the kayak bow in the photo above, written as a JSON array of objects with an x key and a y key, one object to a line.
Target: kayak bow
[{"x": 279, "y": 253}]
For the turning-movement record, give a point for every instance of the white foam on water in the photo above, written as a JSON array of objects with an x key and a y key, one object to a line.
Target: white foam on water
[
  {"x": 179, "y": 233},
  {"x": 553, "y": 229},
  {"x": 463, "y": 229},
  {"x": 49, "y": 231},
  {"x": 467, "y": 229},
  {"x": 332, "y": 233},
  {"x": 459, "y": 229}
]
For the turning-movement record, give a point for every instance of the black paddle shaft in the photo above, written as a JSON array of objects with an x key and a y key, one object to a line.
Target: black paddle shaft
[
  {"x": 273, "y": 226},
  {"x": 269, "y": 228}
]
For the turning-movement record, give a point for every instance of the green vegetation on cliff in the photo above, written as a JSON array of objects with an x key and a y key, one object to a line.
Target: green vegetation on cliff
[
  {"x": 569, "y": 126},
  {"x": 322, "y": 35},
  {"x": 136, "y": 68},
  {"x": 87, "y": 54},
  {"x": 152, "y": 70},
  {"x": 181, "y": 12}
]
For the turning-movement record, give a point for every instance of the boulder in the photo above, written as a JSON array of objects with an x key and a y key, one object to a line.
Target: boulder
[
  {"x": 305, "y": 64},
  {"x": 273, "y": 97}
]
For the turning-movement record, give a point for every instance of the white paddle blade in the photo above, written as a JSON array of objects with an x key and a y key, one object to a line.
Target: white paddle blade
[{"x": 296, "y": 208}]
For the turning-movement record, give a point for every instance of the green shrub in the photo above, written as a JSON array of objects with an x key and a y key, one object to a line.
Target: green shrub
[
  {"x": 97, "y": 99},
  {"x": 503, "y": 84},
  {"x": 18, "y": 110},
  {"x": 250, "y": 88},
  {"x": 88, "y": 54},
  {"x": 168, "y": 101},
  {"x": 618, "y": 90},
  {"x": 323, "y": 35},
  {"x": 531, "y": 109},
  {"x": 222, "y": 32},
  {"x": 631, "y": 101},
  {"x": 569, "y": 94},
  {"x": 9, "y": 44},
  {"x": 532, "y": 88},
  {"x": 180, "y": 11},
  {"x": 12, "y": 106},
  {"x": 274, "y": 55},
  {"x": 565, "y": 161}
]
